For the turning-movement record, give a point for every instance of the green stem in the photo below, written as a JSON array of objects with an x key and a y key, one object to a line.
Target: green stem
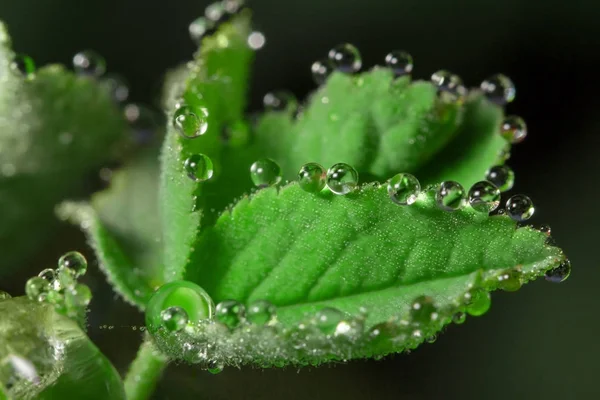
[{"x": 144, "y": 372}]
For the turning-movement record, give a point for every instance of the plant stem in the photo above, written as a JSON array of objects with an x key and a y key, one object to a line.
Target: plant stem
[{"x": 144, "y": 372}]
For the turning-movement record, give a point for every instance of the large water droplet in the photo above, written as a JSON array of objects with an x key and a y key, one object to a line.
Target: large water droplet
[
  {"x": 342, "y": 178},
  {"x": 36, "y": 288},
  {"x": 117, "y": 87},
  {"x": 327, "y": 320},
  {"x": 73, "y": 262},
  {"x": 404, "y": 189},
  {"x": 423, "y": 310},
  {"x": 265, "y": 172},
  {"x": 24, "y": 65},
  {"x": 89, "y": 63},
  {"x": 484, "y": 196},
  {"x": 174, "y": 318},
  {"x": 345, "y": 58},
  {"x": 400, "y": 62},
  {"x": 199, "y": 167},
  {"x": 312, "y": 177},
  {"x": 321, "y": 70},
  {"x": 499, "y": 89},
  {"x": 201, "y": 27},
  {"x": 451, "y": 196},
  {"x": 513, "y": 129},
  {"x": 509, "y": 280},
  {"x": 280, "y": 100},
  {"x": 261, "y": 312},
  {"x": 230, "y": 313},
  {"x": 520, "y": 207},
  {"x": 502, "y": 176},
  {"x": 560, "y": 273},
  {"x": 190, "y": 124},
  {"x": 449, "y": 85},
  {"x": 478, "y": 302}
]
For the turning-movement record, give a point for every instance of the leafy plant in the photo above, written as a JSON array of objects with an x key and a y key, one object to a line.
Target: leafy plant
[{"x": 319, "y": 268}]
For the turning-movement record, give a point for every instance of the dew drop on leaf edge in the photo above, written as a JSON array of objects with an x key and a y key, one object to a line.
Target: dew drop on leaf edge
[
  {"x": 509, "y": 280},
  {"x": 48, "y": 274},
  {"x": 74, "y": 262},
  {"x": 560, "y": 273},
  {"x": 513, "y": 129},
  {"x": 345, "y": 58},
  {"x": 423, "y": 310},
  {"x": 499, "y": 89},
  {"x": 280, "y": 100},
  {"x": 327, "y": 320},
  {"x": 342, "y": 179},
  {"x": 502, "y": 176},
  {"x": 230, "y": 313},
  {"x": 450, "y": 196},
  {"x": 198, "y": 167},
  {"x": 265, "y": 172},
  {"x": 199, "y": 28},
  {"x": 36, "y": 287},
  {"x": 320, "y": 70},
  {"x": 403, "y": 189},
  {"x": 190, "y": 124},
  {"x": 478, "y": 302},
  {"x": 261, "y": 312},
  {"x": 89, "y": 63},
  {"x": 484, "y": 196},
  {"x": 449, "y": 85},
  {"x": 400, "y": 62},
  {"x": 312, "y": 177},
  {"x": 520, "y": 207}
]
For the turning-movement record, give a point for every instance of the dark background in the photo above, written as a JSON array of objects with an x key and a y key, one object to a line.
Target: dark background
[{"x": 541, "y": 342}]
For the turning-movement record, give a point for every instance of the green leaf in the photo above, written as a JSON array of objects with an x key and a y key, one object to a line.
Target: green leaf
[
  {"x": 45, "y": 355},
  {"x": 383, "y": 126},
  {"x": 55, "y": 129},
  {"x": 305, "y": 252}
]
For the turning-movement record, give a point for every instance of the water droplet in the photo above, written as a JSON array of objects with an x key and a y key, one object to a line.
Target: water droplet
[
  {"x": 345, "y": 58},
  {"x": 89, "y": 63},
  {"x": 48, "y": 274},
  {"x": 190, "y": 124},
  {"x": 384, "y": 336},
  {"x": 256, "y": 40},
  {"x": 400, "y": 62},
  {"x": 4, "y": 295},
  {"x": 117, "y": 87},
  {"x": 73, "y": 262},
  {"x": 321, "y": 70},
  {"x": 142, "y": 120},
  {"x": 78, "y": 296},
  {"x": 423, "y": 310},
  {"x": 328, "y": 319},
  {"x": 36, "y": 288},
  {"x": 478, "y": 302},
  {"x": 230, "y": 313},
  {"x": 261, "y": 312},
  {"x": 484, "y": 196},
  {"x": 558, "y": 274},
  {"x": 459, "y": 318},
  {"x": 183, "y": 294},
  {"x": 24, "y": 65},
  {"x": 312, "y": 177},
  {"x": 342, "y": 179},
  {"x": 404, "y": 189},
  {"x": 215, "y": 12},
  {"x": 451, "y": 196},
  {"x": 280, "y": 100},
  {"x": 502, "y": 176},
  {"x": 449, "y": 85},
  {"x": 233, "y": 6},
  {"x": 545, "y": 229},
  {"x": 214, "y": 367},
  {"x": 520, "y": 207},
  {"x": 201, "y": 27},
  {"x": 174, "y": 318},
  {"x": 509, "y": 280},
  {"x": 513, "y": 129},
  {"x": 265, "y": 172},
  {"x": 499, "y": 89},
  {"x": 199, "y": 167},
  {"x": 431, "y": 339}
]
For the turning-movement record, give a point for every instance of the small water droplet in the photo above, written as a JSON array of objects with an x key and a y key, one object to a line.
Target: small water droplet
[
  {"x": 48, "y": 274},
  {"x": 261, "y": 312},
  {"x": 4, "y": 295},
  {"x": 342, "y": 179},
  {"x": 400, "y": 62},
  {"x": 449, "y": 85},
  {"x": 265, "y": 172},
  {"x": 478, "y": 302},
  {"x": 321, "y": 70},
  {"x": 484, "y": 196},
  {"x": 256, "y": 40},
  {"x": 513, "y": 129},
  {"x": 199, "y": 167},
  {"x": 423, "y": 310},
  {"x": 520, "y": 207},
  {"x": 174, "y": 318},
  {"x": 190, "y": 124},
  {"x": 545, "y": 229},
  {"x": 403, "y": 189},
  {"x": 431, "y": 339},
  {"x": 499, "y": 89},
  {"x": 345, "y": 58},
  {"x": 215, "y": 12},
  {"x": 509, "y": 280},
  {"x": 74, "y": 262},
  {"x": 459, "y": 318},
  {"x": 328, "y": 319},
  {"x": 201, "y": 27},
  {"x": 560, "y": 273},
  {"x": 36, "y": 288},
  {"x": 78, "y": 296},
  {"x": 312, "y": 177},
  {"x": 230, "y": 313},
  {"x": 451, "y": 196},
  {"x": 280, "y": 100},
  {"x": 89, "y": 63},
  {"x": 502, "y": 176},
  {"x": 117, "y": 87},
  {"x": 24, "y": 65},
  {"x": 214, "y": 367}
]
